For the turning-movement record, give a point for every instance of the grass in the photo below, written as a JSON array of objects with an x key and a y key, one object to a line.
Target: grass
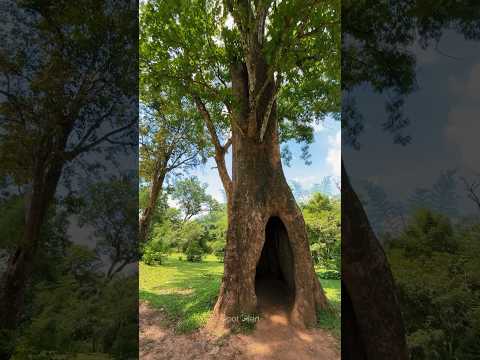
[
  {"x": 186, "y": 292},
  {"x": 331, "y": 320}
]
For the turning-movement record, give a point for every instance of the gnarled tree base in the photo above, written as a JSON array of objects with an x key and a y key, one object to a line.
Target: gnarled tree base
[{"x": 267, "y": 239}]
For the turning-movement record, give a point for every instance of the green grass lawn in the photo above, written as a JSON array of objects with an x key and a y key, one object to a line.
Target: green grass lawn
[
  {"x": 331, "y": 320},
  {"x": 186, "y": 292}
]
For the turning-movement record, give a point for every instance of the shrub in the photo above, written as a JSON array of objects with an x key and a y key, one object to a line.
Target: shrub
[
  {"x": 152, "y": 257},
  {"x": 218, "y": 248},
  {"x": 153, "y": 253},
  {"x": 330, "y": 275},
  {"x": 194, "y": 252}
]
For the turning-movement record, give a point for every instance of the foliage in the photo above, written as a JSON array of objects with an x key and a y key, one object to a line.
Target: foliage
[
  {"x": 192, "y": 197},
  {"x": 435, "y": 265},
  {"x": 218, "y": 248},
  {"x": 216, "y": 221},
  {"x": 68, "y": 98},
  {"x": 205, "y": 234},
  {"x": 110, "y": 207},
  {"x": 161, "y": 204},
  {"x": 72, "y": 318},
  {"x": 329, "y": 275},
  {"x": 11, "y": 222},
  {"x": 194, "y": 252},
  {"x": 65, "y": 70},
  {"x": 71, "y": 309},
  {"x": 322, "y": 219},
  {"x": 153, "y": 253},
  {"x": 191, "y": 57},
  {"x": 386, "y": 216},
  {"x": 74, "y": 311},
  {"x": 169, "y": 139}
]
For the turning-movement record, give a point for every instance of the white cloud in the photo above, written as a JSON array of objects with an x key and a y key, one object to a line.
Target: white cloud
[
  {"x": 334, "y": 153},
  {"x": 307, "y": 181}
]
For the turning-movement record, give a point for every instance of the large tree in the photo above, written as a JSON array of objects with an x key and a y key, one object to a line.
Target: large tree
[
  {"x": 259, "y": 73},
  {"x": 65, "y": 92}
]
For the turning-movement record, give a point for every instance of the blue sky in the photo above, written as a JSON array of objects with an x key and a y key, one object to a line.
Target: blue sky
[{"x": 325, "y": 159}]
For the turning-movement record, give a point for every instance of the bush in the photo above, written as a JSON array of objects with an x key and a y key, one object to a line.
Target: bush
[
  {"x": 153, "y": 253},
  {"x": 330, "y": 275},
  {"x": 194, "y": 252},
  {"x": 218, "y": 248},
  {"x": 152, "y": 257}
]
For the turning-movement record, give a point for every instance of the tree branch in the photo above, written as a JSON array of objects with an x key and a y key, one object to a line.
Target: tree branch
[
  {"x": 227, "y": 144},
  {"x": 268, "y": 111},
  {"x": 95, "y": 126},
  {"x": 219, "y": 149},
  {"x": 78, "y": 150},
  {"x": 208, "y": 121},
  {"x": 471, "y": 188}
]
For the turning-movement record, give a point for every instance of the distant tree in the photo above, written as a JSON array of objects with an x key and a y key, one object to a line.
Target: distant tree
[
  {"x": 192, "y": 197},
  {"x": 441, "y": 198},
  {"x": 472, "y": 188},
  {"x": 110, "y": 208},
  {"x": 322, "y": 218},
  {"x": 385, "y": 215},
  {"x": 170, "y": 140}
]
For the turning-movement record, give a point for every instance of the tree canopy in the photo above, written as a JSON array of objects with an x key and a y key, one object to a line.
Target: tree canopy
[{"x": 190, "y": 49}]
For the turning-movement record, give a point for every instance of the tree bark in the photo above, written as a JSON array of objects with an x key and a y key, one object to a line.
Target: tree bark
[
  {"x": 20, "y": 264},
  {"x": 259, "y": 191},
  {"x": 372, "y": 323},
  {"x": 147, "y": 214}
]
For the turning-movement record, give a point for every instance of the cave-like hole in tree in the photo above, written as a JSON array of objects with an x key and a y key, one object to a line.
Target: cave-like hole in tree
[{"x": 274, "y": 278}]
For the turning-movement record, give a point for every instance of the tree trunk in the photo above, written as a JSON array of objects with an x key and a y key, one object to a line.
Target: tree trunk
[
  {"x": 259, "y": 196},
  {"x": 147, "y": 214},
  {"x": 371, "y": 318},
  {"x": 20, "y": 264}
]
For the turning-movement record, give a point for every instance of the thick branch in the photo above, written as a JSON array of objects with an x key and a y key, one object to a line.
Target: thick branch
[
  {"x": 219, "y": 149},
  {"x": 268, "y": 110},
  {"x": 208, "y": 122},
  {"x": 222, "y": 171},
  {"x": 227, "y": 144}
]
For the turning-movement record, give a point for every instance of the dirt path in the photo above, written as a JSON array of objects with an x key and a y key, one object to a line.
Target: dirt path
[{"x": 273, "y": 339}]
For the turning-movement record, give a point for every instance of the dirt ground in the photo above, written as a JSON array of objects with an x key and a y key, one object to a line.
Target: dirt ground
[{"x": 272, "y": 339}]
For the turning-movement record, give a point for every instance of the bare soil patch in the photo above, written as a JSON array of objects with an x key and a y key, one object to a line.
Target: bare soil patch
[{"x": 273, "y": 339}]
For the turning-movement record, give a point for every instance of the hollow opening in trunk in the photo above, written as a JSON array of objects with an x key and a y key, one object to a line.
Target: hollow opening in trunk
[{"x": 274, "y": 278}]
